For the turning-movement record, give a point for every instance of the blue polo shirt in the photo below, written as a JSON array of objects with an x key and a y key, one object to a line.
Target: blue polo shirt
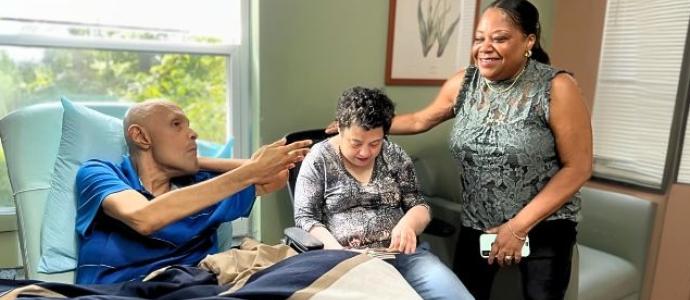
[{"x": 110, "y": 251}]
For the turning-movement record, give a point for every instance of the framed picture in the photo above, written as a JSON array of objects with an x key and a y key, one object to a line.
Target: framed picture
[{"x": 428, "y": 40}]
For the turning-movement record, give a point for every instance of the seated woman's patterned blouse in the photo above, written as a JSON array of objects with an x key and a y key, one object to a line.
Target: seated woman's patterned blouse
[{"x": 359, "y": 215}]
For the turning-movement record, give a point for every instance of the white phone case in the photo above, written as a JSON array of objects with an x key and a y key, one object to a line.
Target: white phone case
[{"x": 487, "y": 239}]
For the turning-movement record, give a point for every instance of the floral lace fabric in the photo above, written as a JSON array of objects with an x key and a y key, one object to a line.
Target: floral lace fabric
[{"x": 503, "y": 146}]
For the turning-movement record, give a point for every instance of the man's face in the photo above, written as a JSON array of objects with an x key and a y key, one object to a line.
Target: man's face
[
  {"x": 173, "y": 143},
  {"x": 359, "y": 146}
]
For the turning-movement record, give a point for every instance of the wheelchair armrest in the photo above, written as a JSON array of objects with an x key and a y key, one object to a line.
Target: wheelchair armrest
[
  {"x": 301, "y": 240},
  {"x": 439, "y": 228}
]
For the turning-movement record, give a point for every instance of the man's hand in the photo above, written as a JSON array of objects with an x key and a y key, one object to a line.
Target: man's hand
[
  {"x": 403, "y": 238},
  {"x": 272, "y": 183},
  {"x": 274, "y": 158}
]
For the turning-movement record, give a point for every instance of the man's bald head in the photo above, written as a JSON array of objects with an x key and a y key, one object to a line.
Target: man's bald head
[
  {"x": 145, "y": 114},
  {"x": 159, "y": 136}
]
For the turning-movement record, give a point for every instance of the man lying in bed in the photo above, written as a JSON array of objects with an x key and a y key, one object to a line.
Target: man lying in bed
[{"x": 157, "y": 208}]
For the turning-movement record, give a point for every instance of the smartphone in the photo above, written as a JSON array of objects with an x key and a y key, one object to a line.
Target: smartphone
[{"x": 487, "y": 239}]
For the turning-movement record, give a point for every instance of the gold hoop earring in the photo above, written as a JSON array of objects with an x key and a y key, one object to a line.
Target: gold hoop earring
[{"x": 528, "y": 53}]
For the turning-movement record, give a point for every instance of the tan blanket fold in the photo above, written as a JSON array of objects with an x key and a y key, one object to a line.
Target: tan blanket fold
[
  {"x": 31, "y": 290},
  {"x": 235, "y": 266}
]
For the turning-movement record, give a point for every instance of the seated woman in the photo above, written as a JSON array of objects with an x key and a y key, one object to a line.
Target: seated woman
[{"x": 359, "y": 191}]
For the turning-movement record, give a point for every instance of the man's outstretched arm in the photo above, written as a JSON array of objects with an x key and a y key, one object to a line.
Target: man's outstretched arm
[
  {"x": 220, "y": 165},
  {"x": 147, "y": 217}
]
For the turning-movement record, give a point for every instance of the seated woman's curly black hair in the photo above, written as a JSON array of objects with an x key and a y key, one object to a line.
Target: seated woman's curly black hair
[{"x": 366, "y": 107}]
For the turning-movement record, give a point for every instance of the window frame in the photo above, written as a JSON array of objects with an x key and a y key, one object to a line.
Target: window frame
[
  {"x": 680, "y": 120},
  {"x": 679, "y": 114},
  {"x": 239, "y": 109}
]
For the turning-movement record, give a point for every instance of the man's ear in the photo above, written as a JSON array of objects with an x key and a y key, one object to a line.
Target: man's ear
[{"x": 139, "y": 136}]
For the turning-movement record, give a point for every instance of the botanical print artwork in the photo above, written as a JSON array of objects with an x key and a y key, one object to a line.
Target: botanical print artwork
[
  {"x": 433, "y": 25},
  {"x": 428, "y": 40}
]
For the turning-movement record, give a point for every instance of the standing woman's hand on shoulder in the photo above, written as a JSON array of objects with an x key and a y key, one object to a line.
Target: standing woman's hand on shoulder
[
  {"x": 332, "y": 127},
  {"x": 436, "y": 112}
]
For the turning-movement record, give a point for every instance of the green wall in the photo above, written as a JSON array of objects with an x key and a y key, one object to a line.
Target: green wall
[{"x": 305, "y": 53}]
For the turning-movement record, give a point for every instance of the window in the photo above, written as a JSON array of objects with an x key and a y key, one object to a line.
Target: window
[
  {"x": 35, "y": 75},
  {"x": 116, "y": 51},
  {"x": 170, "y": 26},
  {"x": 196, "y": 82},
  {"x": 636, "y": 90}
]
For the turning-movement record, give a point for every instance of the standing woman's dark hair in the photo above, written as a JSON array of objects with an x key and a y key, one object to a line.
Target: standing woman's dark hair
[{"x": 526, "y": 16}]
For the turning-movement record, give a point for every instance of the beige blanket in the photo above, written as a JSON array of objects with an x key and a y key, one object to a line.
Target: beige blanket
[{"x": 235, "y": 266}]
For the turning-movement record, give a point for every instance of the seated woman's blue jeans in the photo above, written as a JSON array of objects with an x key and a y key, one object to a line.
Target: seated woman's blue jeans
[{"x": 429, "y": 277}]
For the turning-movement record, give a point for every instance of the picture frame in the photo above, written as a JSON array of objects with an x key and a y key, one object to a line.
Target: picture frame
[{"x": 428, "y": 40}]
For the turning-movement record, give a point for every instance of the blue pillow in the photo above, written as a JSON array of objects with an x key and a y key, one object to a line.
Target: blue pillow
[{"x": 86, "y": 134}]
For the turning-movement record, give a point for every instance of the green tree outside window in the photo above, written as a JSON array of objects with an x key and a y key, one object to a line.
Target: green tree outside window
[{"x": 195, "y": 82}]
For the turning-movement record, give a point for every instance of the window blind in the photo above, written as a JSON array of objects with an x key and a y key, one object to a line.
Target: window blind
[{"x": 641, "y": 56}]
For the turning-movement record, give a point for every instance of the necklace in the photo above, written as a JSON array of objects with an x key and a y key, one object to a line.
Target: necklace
[{"x": 488, "y": 84}]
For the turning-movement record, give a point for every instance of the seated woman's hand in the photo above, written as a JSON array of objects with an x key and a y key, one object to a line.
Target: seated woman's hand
[{"x": 403, "y": 238}]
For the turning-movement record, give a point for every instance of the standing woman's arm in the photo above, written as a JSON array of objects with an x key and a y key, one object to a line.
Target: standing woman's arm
[
  {"x": 439, "y": 110},
  {"x": 570, "y": 122}
]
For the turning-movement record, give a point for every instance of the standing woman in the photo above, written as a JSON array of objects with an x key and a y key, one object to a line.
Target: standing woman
[{"x": 523, "y": 143}]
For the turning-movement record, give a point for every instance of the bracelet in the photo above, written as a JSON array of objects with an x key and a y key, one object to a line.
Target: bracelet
[{"x": 515, "y": 235}]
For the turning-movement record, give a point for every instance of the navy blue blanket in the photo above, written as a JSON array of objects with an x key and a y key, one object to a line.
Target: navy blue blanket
[{"x": 330, "y": 274}]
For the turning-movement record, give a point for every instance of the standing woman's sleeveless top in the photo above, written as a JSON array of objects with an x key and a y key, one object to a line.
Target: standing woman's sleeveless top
[{"x": 504, "y": 147}]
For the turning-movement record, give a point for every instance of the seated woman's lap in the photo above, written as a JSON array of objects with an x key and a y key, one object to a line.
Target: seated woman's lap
[{"x": 429, "y": 276}]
